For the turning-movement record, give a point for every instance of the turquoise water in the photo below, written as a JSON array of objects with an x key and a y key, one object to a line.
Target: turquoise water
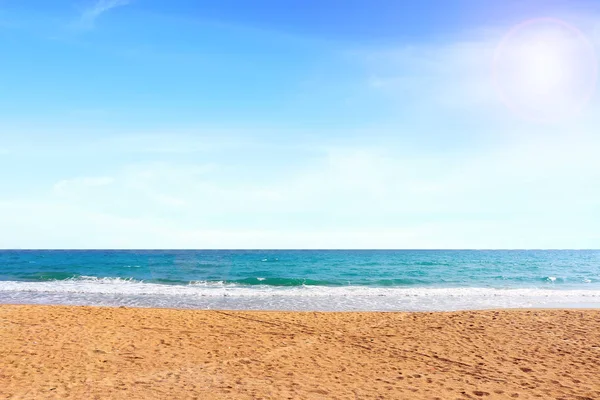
[{"x": 303, "y": 280}]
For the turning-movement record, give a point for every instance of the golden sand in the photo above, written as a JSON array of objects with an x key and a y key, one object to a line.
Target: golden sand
[{"x": 125, "y": 353}]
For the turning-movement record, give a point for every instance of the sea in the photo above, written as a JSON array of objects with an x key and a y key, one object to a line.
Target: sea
[{"x": 303, "y": 280}]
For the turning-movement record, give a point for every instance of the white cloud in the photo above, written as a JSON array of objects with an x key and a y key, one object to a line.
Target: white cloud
[
  {"x": 89, "y": 16},
  {"x": 455, "y": 75},
  {"x": 525, "y": 193},
  {"x": 50, "y": 225},
  {"x": 67, "y": 186},
  {"x": 80, "y": 190},
  {"x": 465, "y": 76},
  {"x": 529, "y": 186},
  {"x": 187, "y": 142}
]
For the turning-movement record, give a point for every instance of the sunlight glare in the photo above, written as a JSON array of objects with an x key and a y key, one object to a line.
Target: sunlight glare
[
  {"x": 544, "y": 67},
  {"x": 545, "y": 70}
]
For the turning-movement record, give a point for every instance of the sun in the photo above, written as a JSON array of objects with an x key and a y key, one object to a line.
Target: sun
[{"x": 545, "y": 69}]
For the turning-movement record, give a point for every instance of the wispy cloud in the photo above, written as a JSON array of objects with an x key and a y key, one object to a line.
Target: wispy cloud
[
  {"x": 516, "y": 184},
  {"x": 74, "y": 187},
  {"x": 523, "y": 193},
  {"x": 463, "y": 75},
  {"x": 454, "y": 75},
  {"x": 89, "y": 15}
]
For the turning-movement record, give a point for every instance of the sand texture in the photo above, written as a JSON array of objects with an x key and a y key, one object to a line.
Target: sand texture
[{"x": 124, "y": 353}]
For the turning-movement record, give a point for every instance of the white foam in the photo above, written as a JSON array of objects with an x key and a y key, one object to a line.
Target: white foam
[{"x": 117, "y": 291}]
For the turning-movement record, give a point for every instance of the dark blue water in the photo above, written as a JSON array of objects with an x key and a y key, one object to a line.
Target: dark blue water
[{"x": 180, "y": 278}]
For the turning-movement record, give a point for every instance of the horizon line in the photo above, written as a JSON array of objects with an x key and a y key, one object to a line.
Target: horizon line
[{"x": 298, "y": 249}]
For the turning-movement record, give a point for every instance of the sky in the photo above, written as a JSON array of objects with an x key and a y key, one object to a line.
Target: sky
[{"x": 299, "y": 124}]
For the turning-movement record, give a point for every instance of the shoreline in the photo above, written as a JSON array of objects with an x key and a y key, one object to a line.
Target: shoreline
[
  {"x": 146, "y": 353},
  {"x": 234, "y": 310},
  {"x": 309, "y": 298}
]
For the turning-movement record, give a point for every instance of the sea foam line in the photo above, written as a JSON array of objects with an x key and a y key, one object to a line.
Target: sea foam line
[{"x": 218, "y": 289}]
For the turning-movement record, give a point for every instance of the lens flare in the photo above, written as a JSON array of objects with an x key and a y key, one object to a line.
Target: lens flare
[{"x": 545, "y": 69}]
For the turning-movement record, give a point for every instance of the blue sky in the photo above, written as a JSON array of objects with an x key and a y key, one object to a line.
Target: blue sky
[{"x": 299, "y": 124}]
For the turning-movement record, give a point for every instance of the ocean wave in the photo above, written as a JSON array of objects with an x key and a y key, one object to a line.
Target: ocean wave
[
  {"x": 262, "y": 278},
  {"x": 224, "y": 295},
  {"x": 90, "y": 284}
]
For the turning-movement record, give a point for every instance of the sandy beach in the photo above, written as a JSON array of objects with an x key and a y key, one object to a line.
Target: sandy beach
[{"x": 106, "y": 353}]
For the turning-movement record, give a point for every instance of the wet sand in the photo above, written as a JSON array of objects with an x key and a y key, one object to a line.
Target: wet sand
[{"x": 124, "y": 353}]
